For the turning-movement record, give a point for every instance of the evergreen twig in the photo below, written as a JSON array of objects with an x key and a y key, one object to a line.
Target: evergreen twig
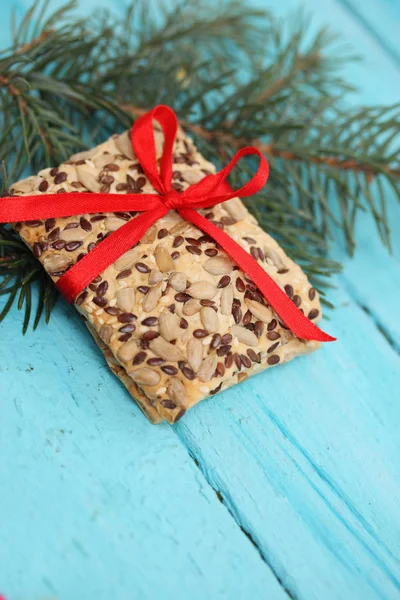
[{"x": 235, "y": 76}]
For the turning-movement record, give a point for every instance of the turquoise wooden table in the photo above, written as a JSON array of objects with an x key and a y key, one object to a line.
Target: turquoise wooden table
[{"x": 288, "y": 486}]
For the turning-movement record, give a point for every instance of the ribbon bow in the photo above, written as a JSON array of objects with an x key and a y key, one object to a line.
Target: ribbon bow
[{"x": 211, "y": 190}]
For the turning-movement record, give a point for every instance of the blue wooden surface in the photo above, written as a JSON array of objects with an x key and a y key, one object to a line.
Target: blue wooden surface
[{"x": 287, "y": 486}]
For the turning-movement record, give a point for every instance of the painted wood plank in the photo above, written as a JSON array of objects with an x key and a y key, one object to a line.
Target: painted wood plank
[
  {"x": 381, "y": 18},
  {"x": 311, "y": 486},
  {"x": 94, "y": 501},
  {"x": 321, "y": 487},
  {"x": 306, "y": 458},
  {"x": 378, "y": 80},
  {"x": 372, "y": 276}
]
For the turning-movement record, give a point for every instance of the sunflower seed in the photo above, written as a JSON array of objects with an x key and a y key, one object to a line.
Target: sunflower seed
[
  {"x": 70, "y": 235},
  {"x": 113, "y": 223},
  {"x": 178, "y": 281},
  {"x": 219, "y": 265},
  {"x": 176, "y": 391},
  {"x": 245, "y": 335},
  {"x": 88, "y": 179},
  {"x": 124, "y": 145},
  {"x": 235, "y": 208},
  {"x": 209, "y": 319},
  {"x": 56, "y": 262},
  {"x": 194, "y": 351},
  {"x": 192, "y": 176},
  {"x": 145, "y": 376},
  {"x": 163, "y": 259},
  {"x": 26, "y": 185},
  {"x": 207, "y": 367},
  {"x": 150, "y": 235},
  {"x": 126, "y": 260},
  {"x": 155, "y": 276},
  {"x": 165, "y": 350},
  {"x": 202, "y": 290},
  {"x": 105, "y": 333},
  {"x": 169, "y": 326},
  {"x": 127, "y": 351},
  {"x": 259, "y": 311},
  {"x": 152, "y": 297},
  {"x": 179, "y": 227},
  {"x": 125, "y": 299},
  {"x": 274, "y": 257},
  {"x": 103, "y": 160},
  {"x": 226, "y": 300},
  {"x": 83, "y": 155},
  {"x": 191, "y": 307}
]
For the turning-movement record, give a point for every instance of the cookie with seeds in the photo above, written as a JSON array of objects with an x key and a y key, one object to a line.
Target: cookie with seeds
[{"x": 176, "y": 319}]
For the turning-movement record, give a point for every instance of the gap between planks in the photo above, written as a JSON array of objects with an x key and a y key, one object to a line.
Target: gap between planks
[
  {"x": 236, "y": 519},
  {"x": 234, "y": 507},
  {"x": 369, "y": 28},
  {"x": 380, "y": 327}
]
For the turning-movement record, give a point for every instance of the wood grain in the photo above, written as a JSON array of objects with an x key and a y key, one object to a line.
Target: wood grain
[
  {"x": 285, "y": 486},
  {"x": 95, "y": 501}
]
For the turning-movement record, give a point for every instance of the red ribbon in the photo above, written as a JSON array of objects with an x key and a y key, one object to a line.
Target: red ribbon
[{"x": 211, "y": 190}]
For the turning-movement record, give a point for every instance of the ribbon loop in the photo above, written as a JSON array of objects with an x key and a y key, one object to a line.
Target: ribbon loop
[
  {"x": 211, "y": 190},
  {"x": 216, "y": 187},
  {"x": 143, "y": 142}
]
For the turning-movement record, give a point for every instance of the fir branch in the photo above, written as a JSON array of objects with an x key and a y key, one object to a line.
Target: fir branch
[
  {"x": 235, "y": 76},
  {"x": 324, "y": 157}
]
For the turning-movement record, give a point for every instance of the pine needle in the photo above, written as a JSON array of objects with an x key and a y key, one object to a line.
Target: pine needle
[{"x": 235, "y": 76}]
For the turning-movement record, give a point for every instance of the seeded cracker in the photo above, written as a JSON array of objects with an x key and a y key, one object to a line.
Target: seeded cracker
[{"x": 176, "y": 319}]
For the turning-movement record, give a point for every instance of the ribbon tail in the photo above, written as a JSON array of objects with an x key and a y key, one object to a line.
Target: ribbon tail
[
  {"x": 45, "y": 206},
  {"x": 289, "y": 313},
  {"x": 106, "y": 253}
]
